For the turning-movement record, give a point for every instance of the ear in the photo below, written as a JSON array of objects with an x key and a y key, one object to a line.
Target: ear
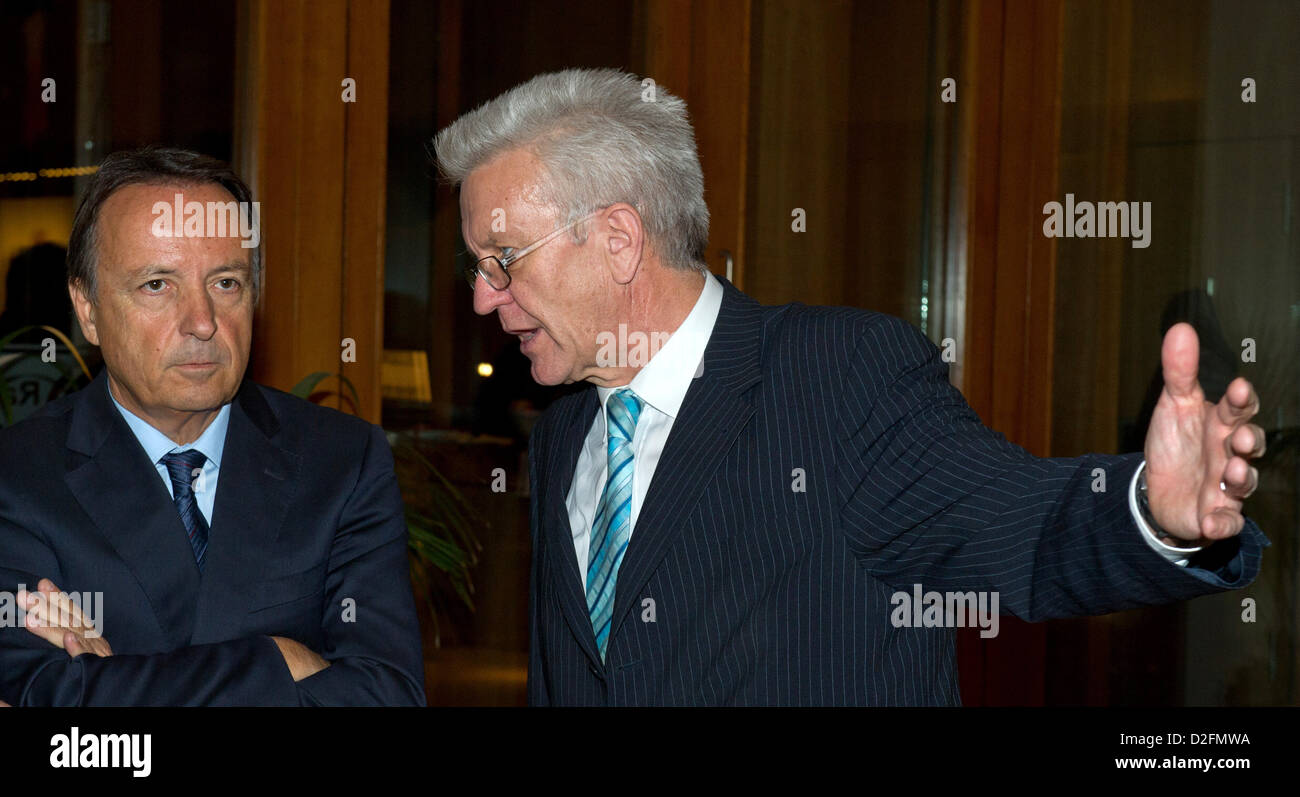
[
  {"x": 622, "y": 239},
  {"x": 85, "y": 310}
]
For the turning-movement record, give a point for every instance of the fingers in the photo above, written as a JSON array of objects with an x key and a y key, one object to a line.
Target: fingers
[
  {"x": 302, "y": 661},
  {"x": 53, "y": 616},
  {"x": 97, "y": 645},
  {"x": 1247, "y": 440},
  {"x": 57, "y": 608},
  {"x": 76, "y": 644},
  {"x": 51, "y": 634},
  {"x": 1222, "y": 523},
  {"x": 1179, "y": 358},
  {"x": 1239, "y": 403},
  {"x": 1240, "y": 480}
]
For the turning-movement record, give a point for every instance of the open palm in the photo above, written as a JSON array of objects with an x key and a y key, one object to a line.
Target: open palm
[{"x": 1197, "y": 453}]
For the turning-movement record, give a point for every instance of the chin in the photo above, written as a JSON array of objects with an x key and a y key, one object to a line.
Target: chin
[
  {"x": 543, "y": 378},
  {"x": 212, "y": 393},
  {"x": 549, "y": 375}
]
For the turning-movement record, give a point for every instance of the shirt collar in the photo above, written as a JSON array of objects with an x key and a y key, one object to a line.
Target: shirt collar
[
  {"x": 211, "y": 443},
  {"x": 663, "y": 381}
]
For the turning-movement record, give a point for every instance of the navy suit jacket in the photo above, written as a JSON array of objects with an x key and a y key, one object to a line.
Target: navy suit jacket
[
  {"x": 737, "y": 588},
  {"x": 307, "y": 515}
]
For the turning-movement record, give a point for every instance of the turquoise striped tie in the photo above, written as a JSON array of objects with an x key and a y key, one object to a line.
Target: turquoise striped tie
[{"x": 613, "y": 525}]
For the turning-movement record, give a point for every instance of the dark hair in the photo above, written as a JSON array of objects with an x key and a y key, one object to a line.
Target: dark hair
[{"x": 151, "y": 165}]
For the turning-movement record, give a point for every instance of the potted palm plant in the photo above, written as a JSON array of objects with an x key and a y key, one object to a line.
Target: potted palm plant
[{"x": 440, "y": 523}]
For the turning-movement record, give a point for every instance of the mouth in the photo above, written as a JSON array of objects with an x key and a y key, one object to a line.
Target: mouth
[
  {"x": 525, "y": 336},
  {"x": 198, "y": 366}
]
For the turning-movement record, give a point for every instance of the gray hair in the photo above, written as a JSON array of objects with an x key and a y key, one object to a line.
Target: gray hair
[{"x": 602, "y": 136}]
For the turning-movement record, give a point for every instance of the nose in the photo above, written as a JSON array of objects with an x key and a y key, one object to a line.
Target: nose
[
  {"x": 198, "y": 315},
  {"x": 487, "y": 298}
]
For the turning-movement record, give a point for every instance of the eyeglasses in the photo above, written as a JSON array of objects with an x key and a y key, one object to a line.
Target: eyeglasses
[{"x": 494, "y": 270}]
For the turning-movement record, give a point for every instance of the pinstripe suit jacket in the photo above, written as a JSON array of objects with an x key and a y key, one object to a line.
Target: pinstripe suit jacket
[{"x": 737, "y": 588}]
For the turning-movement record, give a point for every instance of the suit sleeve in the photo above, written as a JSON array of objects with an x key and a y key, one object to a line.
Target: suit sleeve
[
  {"x": 374, "y": 648},
  {"x": 241, "y": 672},
  {"x": 375, "y": 655},
  {"x": 537, "y": 692},
  {"x": 929, "y": 495}
]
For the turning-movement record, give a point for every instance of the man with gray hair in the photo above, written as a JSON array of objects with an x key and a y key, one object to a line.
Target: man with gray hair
[{"x": 724, "y": 520}]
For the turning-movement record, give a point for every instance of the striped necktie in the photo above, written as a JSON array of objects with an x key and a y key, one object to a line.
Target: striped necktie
[
  {"x": 184, "y": 467},
  {"x": 613, "y": 525}
]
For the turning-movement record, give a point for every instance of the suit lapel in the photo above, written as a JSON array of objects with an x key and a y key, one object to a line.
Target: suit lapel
[
  {"x": 717, "y": 406},
  {"x": 119, "y": 488},
  {"x": 561, "y": 460},
  {"x": 254, "y": 488}
]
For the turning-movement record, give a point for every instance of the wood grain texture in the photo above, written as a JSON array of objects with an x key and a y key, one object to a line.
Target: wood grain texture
[{"x": 318, "y": 166}]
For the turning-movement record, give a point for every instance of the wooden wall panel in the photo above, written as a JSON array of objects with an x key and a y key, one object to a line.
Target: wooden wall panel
[
  {"x": 719, "y": 102},
  {"x": 1089, "y": 280},
  {"x": 317, "y": 165},
  {"x": 799, "y": 152},
  {"x": 365, "y": 198},
  {"x": 446, "y": 296},
  {"x": 1013, "y": 75},
  {"x": 701, "y": 52}
]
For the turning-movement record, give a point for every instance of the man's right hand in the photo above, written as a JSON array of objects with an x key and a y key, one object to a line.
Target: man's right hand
[{"x": 303, "y": 661}]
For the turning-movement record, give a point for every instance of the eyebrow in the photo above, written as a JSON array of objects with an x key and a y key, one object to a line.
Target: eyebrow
[
  {"x": 489, "y": 243},
  {"x": 154, "y": 270}
]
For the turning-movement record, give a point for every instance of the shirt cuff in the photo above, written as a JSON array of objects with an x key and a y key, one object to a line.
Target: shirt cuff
[{"x": 1178, "y": 556}]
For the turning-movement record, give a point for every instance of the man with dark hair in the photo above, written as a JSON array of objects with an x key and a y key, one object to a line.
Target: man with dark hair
[{"x": 238, "y": 546}]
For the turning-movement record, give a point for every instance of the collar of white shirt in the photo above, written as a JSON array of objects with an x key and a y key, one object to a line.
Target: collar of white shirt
[
  {"x": 663, "y": 381},
  {"x": 211, "y": 443}
]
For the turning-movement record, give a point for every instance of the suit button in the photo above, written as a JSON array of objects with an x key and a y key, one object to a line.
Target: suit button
[{"x": 595, "y": 671}]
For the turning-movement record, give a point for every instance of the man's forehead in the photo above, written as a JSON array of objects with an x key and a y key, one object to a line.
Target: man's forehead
[
  {"x": 129, "y": 222},
  {"x": 506, "y": 192},
  {"x": 139, "y": 197}
]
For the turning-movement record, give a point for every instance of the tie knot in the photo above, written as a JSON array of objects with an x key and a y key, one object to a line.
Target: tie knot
[
  {"x": 182, "y": 467},
  {"x": 624, "y": 409}
]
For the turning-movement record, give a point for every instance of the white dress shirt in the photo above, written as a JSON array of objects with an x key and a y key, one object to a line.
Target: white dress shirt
[
  {"x": 156, "y": 445},
  {"x": 662, "y": 384},
  {"x": 1178, "y": 556}
]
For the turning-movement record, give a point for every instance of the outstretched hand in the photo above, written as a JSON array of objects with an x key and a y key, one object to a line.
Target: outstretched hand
[{"x": 1197, "y": 453}]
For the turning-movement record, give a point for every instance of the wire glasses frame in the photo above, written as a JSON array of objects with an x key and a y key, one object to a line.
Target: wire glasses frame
[{"x": 494, "y": 270}]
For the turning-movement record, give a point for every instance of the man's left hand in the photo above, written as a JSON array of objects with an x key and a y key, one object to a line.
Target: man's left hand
[
  {"x": 52, "y": 616},
  {"x": 1197, "y": 453}
]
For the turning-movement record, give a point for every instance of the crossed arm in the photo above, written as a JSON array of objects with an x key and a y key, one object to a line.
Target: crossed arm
[
  {"x": 58, "y": 659},
  {"x": 54, "y": 617}
]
